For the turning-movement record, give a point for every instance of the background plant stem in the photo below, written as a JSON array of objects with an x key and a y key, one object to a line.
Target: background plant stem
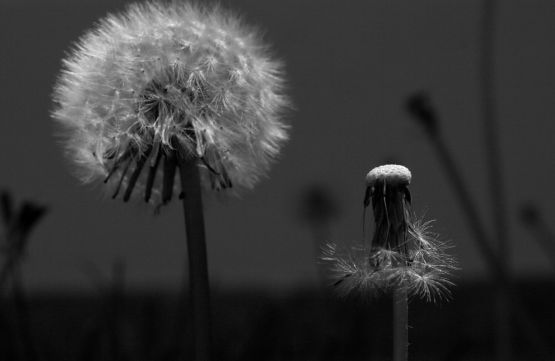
[
  {"x": 483, "y": 242},
  {"x": 496, "y": 184},
  {"x": 400, "y": 324},
  {"x": 198, "y": 265}
]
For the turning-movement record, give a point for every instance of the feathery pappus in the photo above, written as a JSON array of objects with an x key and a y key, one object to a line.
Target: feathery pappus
[{"x": 162, "y": 80}]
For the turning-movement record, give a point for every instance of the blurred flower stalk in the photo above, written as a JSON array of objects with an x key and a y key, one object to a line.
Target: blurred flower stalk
[
  {"x": 404, "y": 257},
  {"x": 318, "y": 209},
  {"x": 18, "y": 223},
  {"x": 533, "y": 219},
  {"x": 174, "y": 88},
  {"x": 419, "y": 106}
]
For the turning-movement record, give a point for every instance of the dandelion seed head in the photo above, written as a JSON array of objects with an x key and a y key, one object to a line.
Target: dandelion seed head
[
  {"x": 403, "y": 252},
  {"x": 156, "y": 76}
]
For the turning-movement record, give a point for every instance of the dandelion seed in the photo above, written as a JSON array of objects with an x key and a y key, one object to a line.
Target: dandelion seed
[
  {"x": 403, "y": 253},
  {"x": 159, "y": 79}
]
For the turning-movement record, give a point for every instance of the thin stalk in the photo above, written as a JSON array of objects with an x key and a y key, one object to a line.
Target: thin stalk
[
  {"x": 496, "y": 184},
  {"x": 483, "y": 242},
  {"x": 534, "y": 221},
  {"x": 198, "y": 265},
  {"x": 23, "y": 321},
  {"x": 7, "y": 271},
  {"x": 400, "y": 324},
  {"x": 421, "y": 109}
]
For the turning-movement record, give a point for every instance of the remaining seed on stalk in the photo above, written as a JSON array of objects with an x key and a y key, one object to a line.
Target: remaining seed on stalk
[{"x": 403, "y": 253}]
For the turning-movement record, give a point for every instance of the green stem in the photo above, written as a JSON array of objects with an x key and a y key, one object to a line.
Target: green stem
[
  {"x": 198, "y": 265},
  {"x": 400, "y": 325}
]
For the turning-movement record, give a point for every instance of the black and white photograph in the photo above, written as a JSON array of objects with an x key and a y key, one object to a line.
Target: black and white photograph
[{"x": 277, "y": 180}]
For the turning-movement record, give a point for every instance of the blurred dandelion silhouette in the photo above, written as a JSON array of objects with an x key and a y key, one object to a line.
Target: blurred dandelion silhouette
[
  {"x": 318, "y": 209},
  {"x": 164, "y": 79},
  {"x": 403, "y": 254},
  {"x": 18, "y": 223},
  {"x": 173, "y": 87}
]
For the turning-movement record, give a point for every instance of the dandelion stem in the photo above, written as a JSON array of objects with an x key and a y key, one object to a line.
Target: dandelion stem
[
  {"x": 196, "y": 245},
  {"x": 400, "y": 324}
]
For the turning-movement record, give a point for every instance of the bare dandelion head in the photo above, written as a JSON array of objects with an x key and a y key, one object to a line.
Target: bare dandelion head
[
  {"x": 160, "y": 79},
  {"x": 403, "y": 253},
  {"x": 393, "y": 174}
]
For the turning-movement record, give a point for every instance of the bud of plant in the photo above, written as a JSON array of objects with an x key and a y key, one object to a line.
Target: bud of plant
[
  {"x": 165, "y": 78},
  {"x": 403, "y": 252},
  {"x": 419, "y": 106}
]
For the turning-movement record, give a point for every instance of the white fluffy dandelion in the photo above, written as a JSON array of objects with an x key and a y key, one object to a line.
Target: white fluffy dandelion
[
  {"x": 158, "y": 80},
  {"x": 403, "y": 253},
  {"x": 173, "y": 87}
]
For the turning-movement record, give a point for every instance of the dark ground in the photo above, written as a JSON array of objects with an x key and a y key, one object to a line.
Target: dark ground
[{"x": 250, "y": 325}]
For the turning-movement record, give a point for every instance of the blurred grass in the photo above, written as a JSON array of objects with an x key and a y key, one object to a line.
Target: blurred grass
[{"x": 256, "y": 325}]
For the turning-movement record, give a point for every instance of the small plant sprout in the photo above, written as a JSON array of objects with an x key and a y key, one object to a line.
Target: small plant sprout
[
  {"x": 404, "y": 257},
  {"x": 173, "y": 88}
]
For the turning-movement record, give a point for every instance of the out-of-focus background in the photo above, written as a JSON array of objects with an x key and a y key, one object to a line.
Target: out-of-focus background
[{"x": 351, "y": 66}]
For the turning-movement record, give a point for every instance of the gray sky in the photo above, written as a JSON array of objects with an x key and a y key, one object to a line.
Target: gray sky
[{"x": 350, "y": 68}]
